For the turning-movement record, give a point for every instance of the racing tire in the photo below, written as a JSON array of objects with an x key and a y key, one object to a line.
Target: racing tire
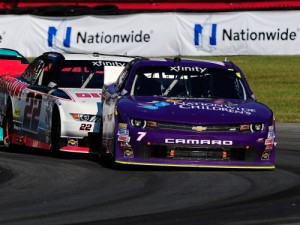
[
  {"x": 106, "y": 159},
  {"x": 56, "y": 141},
  {"x": 8, "y": 129}
]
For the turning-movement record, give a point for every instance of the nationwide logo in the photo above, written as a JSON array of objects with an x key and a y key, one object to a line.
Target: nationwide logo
[
  {"x": 104, "y": 38},
  {"x": 250, "y": 35},
  {"x": 205, "y": 35},
  {"x": 61, "y": 31},
  {"x": 67, "y": 34}
]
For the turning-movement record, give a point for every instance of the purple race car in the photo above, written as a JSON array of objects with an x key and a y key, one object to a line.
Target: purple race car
[{"x": 183, "y": 112}]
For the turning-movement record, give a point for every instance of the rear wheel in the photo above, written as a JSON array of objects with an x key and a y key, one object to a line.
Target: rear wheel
[{"x": 8, "y": 128}]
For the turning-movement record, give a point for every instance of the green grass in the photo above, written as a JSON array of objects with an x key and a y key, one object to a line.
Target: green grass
[{"x": 275, "y": 81}]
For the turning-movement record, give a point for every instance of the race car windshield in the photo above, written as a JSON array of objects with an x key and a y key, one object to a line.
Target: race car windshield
[
  {"x": 191, "y": 82},
  {"x": 81, "y": 74}
]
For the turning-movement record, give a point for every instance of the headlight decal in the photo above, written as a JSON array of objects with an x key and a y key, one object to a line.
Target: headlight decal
[
  {"x": 138, "y": 123},
  {"x": 85, "y": 117},
  {"x": 254, "y": 127}
]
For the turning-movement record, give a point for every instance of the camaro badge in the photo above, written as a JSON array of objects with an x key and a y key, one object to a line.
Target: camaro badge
[{"x": 199, "y": 128}]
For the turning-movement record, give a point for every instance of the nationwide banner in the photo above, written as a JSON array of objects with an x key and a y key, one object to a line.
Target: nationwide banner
[{"x": 156, "y": 34}]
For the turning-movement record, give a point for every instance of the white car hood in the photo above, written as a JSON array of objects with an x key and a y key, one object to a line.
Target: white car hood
[{"x": 84, "y": 95}]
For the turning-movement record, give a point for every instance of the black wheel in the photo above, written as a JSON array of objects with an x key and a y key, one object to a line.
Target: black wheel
[
  {"x": 8, "y": 129},
  {"x": 56, "y": 141},
  {"x": 106, "y": 159}
]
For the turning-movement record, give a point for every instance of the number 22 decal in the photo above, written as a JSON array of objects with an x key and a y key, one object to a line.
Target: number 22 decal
[
  {"x": 32, "y": 111},
  {"x": 85, "y": 127},
  {"x": 141, "y": 135}
]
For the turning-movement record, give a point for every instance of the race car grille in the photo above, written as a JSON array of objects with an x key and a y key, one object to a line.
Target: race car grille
[
  {"x": 197, "y": 153},
  {"x": 198, "y": 128}
]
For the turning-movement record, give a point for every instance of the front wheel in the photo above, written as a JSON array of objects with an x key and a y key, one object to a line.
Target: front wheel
[
  {"x": 106, "y": 154},
  {"x": 56, "y": 141}
]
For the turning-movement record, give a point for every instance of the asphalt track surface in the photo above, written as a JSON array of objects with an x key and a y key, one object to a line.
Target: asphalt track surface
[{"x": 36, "y": 188}]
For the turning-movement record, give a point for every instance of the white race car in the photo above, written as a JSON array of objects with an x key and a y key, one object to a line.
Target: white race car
[{"x": 56, "y": 103}]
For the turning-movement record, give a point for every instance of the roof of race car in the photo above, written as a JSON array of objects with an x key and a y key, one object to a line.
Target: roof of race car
[
  {"x": 96, "y": 56},
  {"x": 178, "y": 61},
  {"x": 6, "y": 53},
  {"x": 9, "y": 52}
]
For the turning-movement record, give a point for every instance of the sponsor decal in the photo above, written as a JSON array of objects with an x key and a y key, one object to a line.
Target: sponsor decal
[
  {"x": 104, "y": 38},
  {"x": 88, "y": 95},
  {"x": 260, "y": 140},
  {"x": 230, "y": 108},
  {"x": 17, "y": 127},
  {"x": 125, "y": 145},
  {"x": 128, "y": 153},
  {"x": 215, "y": 107},
  {"x": 197, "y": 141},
  {"x": 265, "y": 155},
  {"x": 271, "y": 135},
  {"x": 65, "y": 33},
  {"x": 17, "y": 112},
  {"x": 269, "y": 141},
  {"x": 123, "y": 134},
  {"x": 123, "y": 138},
  {"x": 73, "y": 142},
  {"x": 199, "y": 128},
  {"x": 123, "y": 125},
  {"x": 123, "y": 131},
  {"x": 107, "y": 63},
  {"x": 153, "y": 105},
  {"x": 269, "y": 148},
  {"x": 187, "y": 69},
  {"x": 205, "y": 35},
  {"x": 173, "y": 100},
  {"x": 248, "y": 35}
]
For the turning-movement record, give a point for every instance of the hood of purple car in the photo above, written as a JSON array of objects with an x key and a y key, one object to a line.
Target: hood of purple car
[{"x": 191, "y": 111}]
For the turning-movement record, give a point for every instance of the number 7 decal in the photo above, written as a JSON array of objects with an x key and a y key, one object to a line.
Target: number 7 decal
[{"x": 141, "y": 135}]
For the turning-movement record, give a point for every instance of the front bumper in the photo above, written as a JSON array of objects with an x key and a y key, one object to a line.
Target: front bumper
[
  {"x": 80, "y": 137},
  {"x": 189, "y": 149}
]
